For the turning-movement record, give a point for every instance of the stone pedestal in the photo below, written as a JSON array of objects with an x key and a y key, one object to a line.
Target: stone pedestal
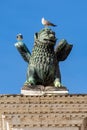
[
  {"x": 66, "y": 128},
  {"x": 43, "y": 112},
  {"x": 41, "y": 90}
]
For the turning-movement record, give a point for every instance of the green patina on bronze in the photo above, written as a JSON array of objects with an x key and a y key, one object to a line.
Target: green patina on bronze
[{"x": 43, "y": 62}]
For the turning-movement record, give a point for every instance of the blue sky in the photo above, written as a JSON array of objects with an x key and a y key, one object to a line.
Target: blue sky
[{"x": 24, "y": 16}]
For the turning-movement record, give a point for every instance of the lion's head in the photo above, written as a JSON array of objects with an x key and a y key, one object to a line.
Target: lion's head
[{"x": 46, "y": 36}]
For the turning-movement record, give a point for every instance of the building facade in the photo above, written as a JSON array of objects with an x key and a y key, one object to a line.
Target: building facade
[{"x": 45, "y": 112}]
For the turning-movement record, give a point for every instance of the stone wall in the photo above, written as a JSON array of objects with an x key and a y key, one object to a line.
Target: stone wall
[{"x": 50, "y": 112}]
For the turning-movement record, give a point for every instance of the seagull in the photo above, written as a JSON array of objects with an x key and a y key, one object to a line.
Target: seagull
[{"x": 47, "y": 23}]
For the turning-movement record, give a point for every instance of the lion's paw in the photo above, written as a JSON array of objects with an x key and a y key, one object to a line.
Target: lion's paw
[{"x": 57, "y": 83}]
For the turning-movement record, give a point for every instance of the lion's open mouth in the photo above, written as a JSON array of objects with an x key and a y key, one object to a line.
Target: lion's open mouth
[{"x": 50, "y": 40}]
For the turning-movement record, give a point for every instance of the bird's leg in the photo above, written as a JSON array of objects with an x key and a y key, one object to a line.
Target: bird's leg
[{"x": 46, "y": 27}]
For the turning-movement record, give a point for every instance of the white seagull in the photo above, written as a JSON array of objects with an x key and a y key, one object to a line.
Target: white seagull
[{"x": 47, "y": 23}]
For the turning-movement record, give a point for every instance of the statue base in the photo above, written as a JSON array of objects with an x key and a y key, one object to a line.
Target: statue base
[{"x": 43, "y": 90}]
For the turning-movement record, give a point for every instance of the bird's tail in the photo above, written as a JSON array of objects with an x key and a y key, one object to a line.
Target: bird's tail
[{"x": 53, "y": 25}]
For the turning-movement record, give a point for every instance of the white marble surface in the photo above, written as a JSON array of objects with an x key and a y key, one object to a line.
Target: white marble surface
[
  {"x": 65, "y": 128},
  {"x": 29, "y": 92}
]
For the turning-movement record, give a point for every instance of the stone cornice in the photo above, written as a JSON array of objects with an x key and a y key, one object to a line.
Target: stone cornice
[{"x": 43, "y": 111}]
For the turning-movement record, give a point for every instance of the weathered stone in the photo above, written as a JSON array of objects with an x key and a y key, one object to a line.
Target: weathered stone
[{"x": 46, "y": 112}]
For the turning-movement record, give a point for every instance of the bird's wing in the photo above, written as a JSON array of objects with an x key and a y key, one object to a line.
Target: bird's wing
[{"x": 51, "y": 24}]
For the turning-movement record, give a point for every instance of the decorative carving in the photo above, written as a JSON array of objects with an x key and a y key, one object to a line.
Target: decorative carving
[{"x": 51, "y": 111}]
